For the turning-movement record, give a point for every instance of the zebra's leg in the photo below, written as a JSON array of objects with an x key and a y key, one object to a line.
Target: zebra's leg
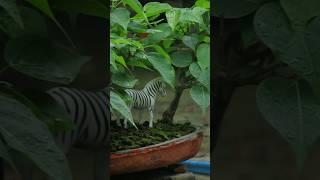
[
  {"x": 125, "y": 123},
  {"x": 151, "y": 117},
  {"x": 118, "y": 120},
  {"x": 140, "y": 115}
]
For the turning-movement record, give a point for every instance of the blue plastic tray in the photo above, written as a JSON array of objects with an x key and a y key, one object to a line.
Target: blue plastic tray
[{"x": 201, "y": 167}]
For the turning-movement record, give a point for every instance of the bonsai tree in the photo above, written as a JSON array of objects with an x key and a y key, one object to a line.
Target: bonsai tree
[
  {"x": 158, "y": 37},
  {"x": 272, "y": 44}
]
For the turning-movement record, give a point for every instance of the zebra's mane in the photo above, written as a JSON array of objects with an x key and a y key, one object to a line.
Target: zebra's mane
[{"x": 153, "y": 81}]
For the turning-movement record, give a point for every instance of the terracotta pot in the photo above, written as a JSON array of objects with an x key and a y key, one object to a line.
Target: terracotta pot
[{"x": 160, "y": 155}]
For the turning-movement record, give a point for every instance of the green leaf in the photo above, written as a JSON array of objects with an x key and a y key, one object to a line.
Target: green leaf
[
  {"x": 121, "y": 61},
  {"x": 181, "y": 58},
  {"x": 120, "y": 16},
  {"x": 159, "y": 36},
  {"x": 34, "y": 24},
  {"x": 137, "y": 7},
  {"x": 87, "y": 7},
  {"x": 273, "y": 27},
  {"x": 204, "y": 78},
  {"x": 195, "y": 70},
  {"x": 300, "y": 16},
  {"x": 44, "y": 7},
  {"x": 248, "y": 35},
  {"x": 167, "y": 43},
  {"x": 190, "y": 41},
  {"x": 5, "y": 155},
  {"x": 43, "y": 59},
  {"x": 124, "y": 80},
  {"x": 192, "y": 15},
  {"x": 201, "y": 96},
  {"x": 138, "y": 63},
  {"x": 118, "y": 104},
  {"x": 11, "y": 8},
  {"x": 113, "y": 57},
  {"x": 203, "y": 55},
  {"x": 161, "y": 51},
  {"x": 156, "y": 8},
  {"x": 203, "y": 4},
  {"x": 42, "y": 106},
  {"x": 291, "y": 108},
  {"x": 23, "y": 132},
  {"x": 173, "y": 18},
  {"x": 235, "y": 9},
  {"x": 50, "y": 111},
  {"x": 300, "y": 50},
  {"x": 163, "y": 67},
  {"x": 137, "y": 27}
]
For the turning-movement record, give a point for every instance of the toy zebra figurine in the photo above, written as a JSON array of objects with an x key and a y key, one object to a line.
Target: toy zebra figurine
[
  {"x": 145, "y": 98},
  {"x": 90, "y": 114}
]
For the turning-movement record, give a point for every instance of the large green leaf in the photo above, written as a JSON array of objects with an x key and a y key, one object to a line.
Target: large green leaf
[
  {"x": 300, "y": 50},
  {"x": 300, "y": 16},
  {"x": 44, "y": 7},
  {"x": 5, "y": 155},
  {"x": 164, "y": 53},
  {"x": 235, "y": 9},
  {"x": 156, "y": 8},
  {"x": 43, "y": 106},
  {"x": 163, "y": 67},
  {"x": 23, "y": 132},
  {"x": 137, "y": 7},
  {"x": 191, "y": 41},
  {"x": 88, "y": 7},
  {"x": 34, "y": 24},
  {"x": 43, "y": 59},
  {"x": 201, "y": 96},
  {"x": 118, "y": 104},
  {"x": 273, "y": 26},
  {"x": 11, "y": 7},
  {"x": 181, "y": 58},
  {"x": 203, "y": 55},
  {"x": 173, "y": 18},
  {"x": 124, "y": 80},
  {"x": 120, "y": 16},
  {"x": 121, "y": 61},
  {"x": 293, "y": 111},
  {"x": 113, "y": 57},
  {"x": 50, "y": 111},
  {"x": 138, "y": 63},
  {"x": 204, "y": 78},
  {"x": 195, "y": 70},
  {"x": 165, "y": 31},
  {"x": 203, "y": 4},
  {"x": 192, "y": 15}
]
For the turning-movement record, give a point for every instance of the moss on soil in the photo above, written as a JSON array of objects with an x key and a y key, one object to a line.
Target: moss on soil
[{"x": 123, "y": 139}]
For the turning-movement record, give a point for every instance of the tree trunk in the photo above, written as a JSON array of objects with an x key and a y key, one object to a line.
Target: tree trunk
[{"x": 170, "y": 112}]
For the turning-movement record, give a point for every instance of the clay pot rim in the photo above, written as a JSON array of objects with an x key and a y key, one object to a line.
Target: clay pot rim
[{"x": 181, "y": 139}]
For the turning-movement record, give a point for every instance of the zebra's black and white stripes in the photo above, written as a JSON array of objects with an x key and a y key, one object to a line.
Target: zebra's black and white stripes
[
  {"x": 90, "y": 114},
  {"x": 145, "y": 98}
]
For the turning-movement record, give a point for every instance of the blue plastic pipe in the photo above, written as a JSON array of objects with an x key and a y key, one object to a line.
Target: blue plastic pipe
[{"x": 200, "y": 167}]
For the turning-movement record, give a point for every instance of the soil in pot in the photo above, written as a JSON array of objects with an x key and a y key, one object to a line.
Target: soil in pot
[{"x": 124, "y": 139}]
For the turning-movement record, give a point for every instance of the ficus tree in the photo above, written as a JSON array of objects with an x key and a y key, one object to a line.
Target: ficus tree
[
  {"x": 273, "y": 44},
  {"x": 173, "y": 41}
]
